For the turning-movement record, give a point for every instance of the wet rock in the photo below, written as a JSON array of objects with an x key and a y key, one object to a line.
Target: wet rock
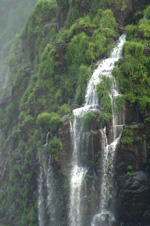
[
  {"x": 29, "y": 70},
  {"x": 124, "y": 10},
  {"x": 147, "y": 51},
  {"x": 64, "y": 157},
  {"x": 133, "y": 183},
  {"x": 138, "y": 126},
  {"x": 146, "y": 217}
]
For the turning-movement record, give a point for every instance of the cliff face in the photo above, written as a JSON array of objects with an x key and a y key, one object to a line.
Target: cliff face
[{"x": 51, "y": 62}]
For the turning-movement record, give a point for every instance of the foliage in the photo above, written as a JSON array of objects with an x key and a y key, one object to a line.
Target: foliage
[
  {"x": 63, "y": 110},
  {"x": 84, "y": 76},
  {"x": 133, "y": 75},
  {"x": 54, "y": 147},
  {"x": 119, "y": 104},
  {"x": 49, "y": 122},
  {"x": 103, "y": 89},
  {"x": 144, "y": 28},
  {"x": 54, "y": 123},
  {"x": 88, "y": 118},
  {"x": 130, "y": 137},
  {"x": 105, "y": 118},
  {"x": 147, "y": 12},
  {"x": 43, "y": 120}
]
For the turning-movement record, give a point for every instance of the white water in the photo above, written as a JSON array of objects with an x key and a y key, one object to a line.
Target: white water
[
  {"x": 105, "y": 217},
  {"x": 46, "y": 202},
  {"x": 79, "y": 171},
  {"x": 41, "y": 209}
]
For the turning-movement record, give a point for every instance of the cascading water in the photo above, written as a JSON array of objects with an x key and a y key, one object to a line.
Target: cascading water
[
  {"x": 78, "y": 172},
  {"x": 79, "y": 136},
  {"x": 105, "y": 217},
  {"x": 46, "y": 200}
]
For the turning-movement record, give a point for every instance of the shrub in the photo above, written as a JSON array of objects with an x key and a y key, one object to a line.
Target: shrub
[
  {"x": 119, "y": 104},
  {"x": 147, "y": 12},
  {"x": 106, "y": 104},
  {"x": 104, "y": 117},
  {"x": 54, "y": 147},
  {"x": 128, "y": 137},
  {"x": 84, "y": 76},
  {"x": 54, "y": 123},
  {"x": 63, "y": 110},
  {"x": 88, "y": 118},
  {"x": 43, "y": 120}
]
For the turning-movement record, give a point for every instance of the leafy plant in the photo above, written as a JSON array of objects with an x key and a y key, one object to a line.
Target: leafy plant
[
  {"x": 54, "y": 147},
  {"x": 88, "y": 118}
]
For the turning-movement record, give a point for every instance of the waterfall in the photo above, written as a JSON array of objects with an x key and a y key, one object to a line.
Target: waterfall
[
  {"x": 46, "y": 199},
  {"x": 78, "y": 172},
  {"x": 80, "y": 141},
  {"x": 105, "y": 217}
]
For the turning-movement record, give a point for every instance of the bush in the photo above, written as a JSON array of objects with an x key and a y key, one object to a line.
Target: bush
[
  {"x": 133, "y": 48},
  {"x": 84, "y": 77},
  {"x": 54, "y": 147},
  {"x": 119, "y": 104},
  {"x": 147, "y": 12},
  {"x": 104, "y": 87},
  {"x": 54, "y": 123},
  {"x": 43, "y": 120},
  {"x": 88, "y": 118},
  {"x": 63, "y": 110},
  {"x": 105, "y": 118}
]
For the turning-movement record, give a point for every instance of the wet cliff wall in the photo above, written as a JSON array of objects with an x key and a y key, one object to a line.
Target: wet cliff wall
[{"x": 51, "y": 62}]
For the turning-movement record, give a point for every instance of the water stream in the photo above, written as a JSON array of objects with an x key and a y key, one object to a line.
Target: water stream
[
  {"x": 80, "y": 142},
  {"x": 46, "y": 200}
]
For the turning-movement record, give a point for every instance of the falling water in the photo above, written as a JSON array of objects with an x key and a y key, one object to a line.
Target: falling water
[
  {"x": 79, "y": 170},
  {"x": 46, "y": 199},
  {"x": 105, "y": 217}
]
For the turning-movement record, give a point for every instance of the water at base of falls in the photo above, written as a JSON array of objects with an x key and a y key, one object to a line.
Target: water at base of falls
[{"x": 80, "y": 141}]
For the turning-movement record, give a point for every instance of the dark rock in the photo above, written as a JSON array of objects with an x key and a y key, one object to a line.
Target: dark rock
[
  {"x": 146, "y": 217},
  {"x": 124, "y": 13},
  {"x": 29, "y": 70},
  {"x": 138, "y": 126},
  {"x": 4, "y": 101},
  {"x": 147, "y": 51},
  {"x": 64, "y": 157},
  {"x": 61, "y": 17},
  {"x": 60, "y": 53}
]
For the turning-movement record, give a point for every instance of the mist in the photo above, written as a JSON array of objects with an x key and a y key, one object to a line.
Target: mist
[{"x": 13, "y": 15}]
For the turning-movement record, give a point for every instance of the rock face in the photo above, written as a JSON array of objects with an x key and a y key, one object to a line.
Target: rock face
[
  {"x": 133, "y": 182},
  {"x": 124, "y": 10},
  {"x": 132, "y": 179}
]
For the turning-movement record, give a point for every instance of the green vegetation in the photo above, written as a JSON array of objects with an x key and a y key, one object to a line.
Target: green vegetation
[
  {"x": 103, "y": 89},
  {"x": 88, "y": 118},
  {"x": 104, "y": 118},
  {"x": 54, "y": 147},
  {"x": 130, "y": 137},
  {"x": 132, "y": 75}
]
